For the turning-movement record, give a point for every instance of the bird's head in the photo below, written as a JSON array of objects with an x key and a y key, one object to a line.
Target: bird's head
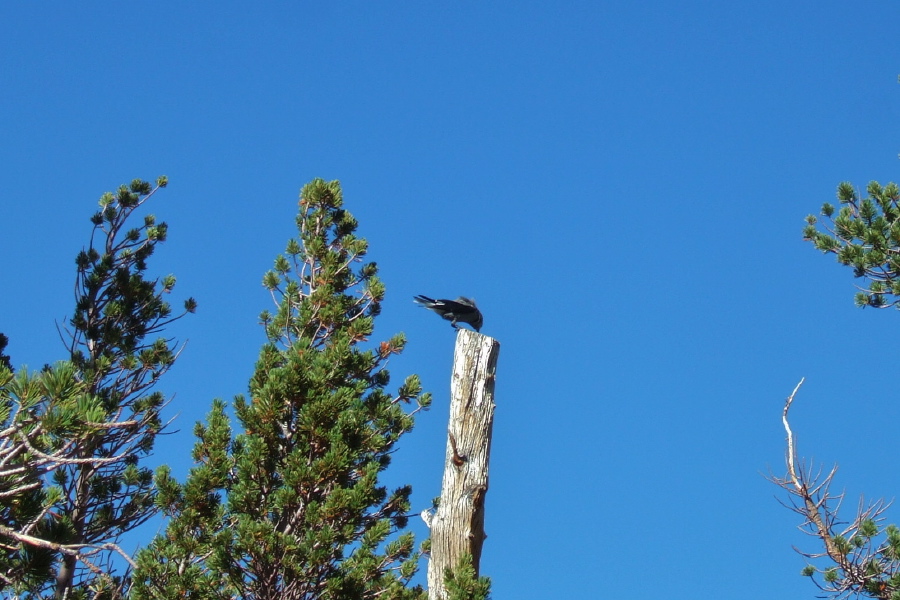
[{"x": 478, "y": 321}]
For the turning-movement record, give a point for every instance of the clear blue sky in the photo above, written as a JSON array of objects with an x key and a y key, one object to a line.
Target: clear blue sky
[{"x": 621, "y": 186}]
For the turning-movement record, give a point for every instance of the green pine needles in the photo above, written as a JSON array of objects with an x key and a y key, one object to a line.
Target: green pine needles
[
  {"x": 288, "y": 508},
  {"x": 291, "y": 508},
  {"x": 863, "y": 558},
  {"x": 73, "y": 436},
  {"x": 864, "y": 235},
  {"x": 463, "y": 584}
]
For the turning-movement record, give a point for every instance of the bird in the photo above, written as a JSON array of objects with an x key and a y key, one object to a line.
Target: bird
[{"x": 461, "y": 310}]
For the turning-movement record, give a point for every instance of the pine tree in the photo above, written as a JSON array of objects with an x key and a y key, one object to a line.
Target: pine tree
[
  {"x": 291, "y": 507},
  {"x": 865, "y": 235},
  {"x": 859, "y": 556},
  {"x": 74, "y": 434}
]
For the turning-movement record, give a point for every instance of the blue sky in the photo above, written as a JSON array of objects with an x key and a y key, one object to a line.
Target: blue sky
[{"x": 620, "y": 185}]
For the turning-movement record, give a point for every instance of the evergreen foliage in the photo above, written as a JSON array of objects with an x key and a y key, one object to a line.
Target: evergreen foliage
[
  {"x": 463, "y": 584},
  {"x": 859, "y": 557},
  {"x": 4, "y": 359},
  {"x": 23, "y": 568},
  {"x": 74, "y": 434},
  {"x": 864, "y": 235},
  {"x": 291, "y": 508}
]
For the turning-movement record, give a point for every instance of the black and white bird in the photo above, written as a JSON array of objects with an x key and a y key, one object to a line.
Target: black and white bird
[{"x": 461, "y": 310}]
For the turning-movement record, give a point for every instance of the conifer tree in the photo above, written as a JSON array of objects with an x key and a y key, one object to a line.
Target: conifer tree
[
  {"x": 74, "y": 434},
  {"x": 43, "y": 416},
  {"x": 860, "y": 556},
  {"x": 864, "y": 235},
  {"x": 291, "y": 508}
]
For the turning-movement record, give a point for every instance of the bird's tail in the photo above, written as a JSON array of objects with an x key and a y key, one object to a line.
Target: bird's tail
[{"x": 424, "y": 300}]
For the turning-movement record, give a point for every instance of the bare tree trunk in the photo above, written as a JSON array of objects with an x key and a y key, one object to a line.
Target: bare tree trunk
[{"x": 457, "y": 525}]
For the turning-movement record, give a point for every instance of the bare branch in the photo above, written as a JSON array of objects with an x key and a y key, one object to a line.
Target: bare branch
[{"x": 859, "y": 566}]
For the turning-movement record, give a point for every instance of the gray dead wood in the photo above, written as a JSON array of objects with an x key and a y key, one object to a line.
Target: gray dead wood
[{"x": 457, "y": 525}]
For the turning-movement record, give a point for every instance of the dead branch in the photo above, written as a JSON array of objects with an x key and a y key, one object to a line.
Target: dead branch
[{"x": 860, "y": 567}]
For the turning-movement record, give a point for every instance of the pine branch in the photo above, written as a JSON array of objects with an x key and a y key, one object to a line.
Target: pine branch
[{"x": 858, "y": 566}]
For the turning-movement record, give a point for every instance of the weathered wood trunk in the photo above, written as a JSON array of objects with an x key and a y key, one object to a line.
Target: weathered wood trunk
[{"x": 457, "y": 526}]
